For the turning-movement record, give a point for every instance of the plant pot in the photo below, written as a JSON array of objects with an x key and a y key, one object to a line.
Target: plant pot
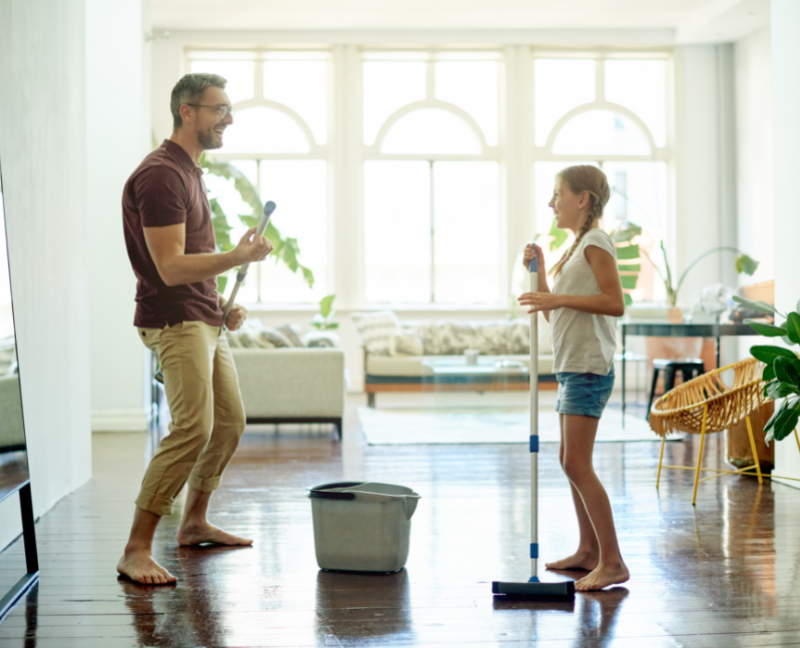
[{"x": 740, "y": 454}]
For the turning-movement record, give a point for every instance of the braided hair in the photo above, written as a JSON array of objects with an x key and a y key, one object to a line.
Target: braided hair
[{"x": 588, "y": 178}]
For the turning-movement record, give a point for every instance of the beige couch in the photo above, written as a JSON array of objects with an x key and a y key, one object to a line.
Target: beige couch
[{"x": 292, "y": 385}]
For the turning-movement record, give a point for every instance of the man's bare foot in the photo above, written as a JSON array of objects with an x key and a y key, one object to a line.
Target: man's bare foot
[
  {"x": 579, "y": 561},
  {"x": 139, "y": 566},
  {"x": 603, "y": 576},
  {"x": 196, "y": 533}
]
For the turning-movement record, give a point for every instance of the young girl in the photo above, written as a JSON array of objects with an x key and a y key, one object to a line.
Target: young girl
[{"x": 582, "y": 307}]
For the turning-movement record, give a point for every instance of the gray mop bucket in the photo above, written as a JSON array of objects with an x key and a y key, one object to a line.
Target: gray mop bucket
[{"x": 362, "y": 526}]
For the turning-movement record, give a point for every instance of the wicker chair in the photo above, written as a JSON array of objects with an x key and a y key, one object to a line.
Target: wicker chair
[{"x": 706, "y": 404}]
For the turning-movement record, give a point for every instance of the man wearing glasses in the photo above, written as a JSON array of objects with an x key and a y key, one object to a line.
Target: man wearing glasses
[{"x": 171, "y": 246}]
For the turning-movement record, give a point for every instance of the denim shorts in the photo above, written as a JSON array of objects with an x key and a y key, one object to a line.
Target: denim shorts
[{"x": 583, "y": 394}]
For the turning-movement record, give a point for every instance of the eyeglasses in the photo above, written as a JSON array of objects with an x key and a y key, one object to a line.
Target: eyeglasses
[{"x": 223, "y": 110}]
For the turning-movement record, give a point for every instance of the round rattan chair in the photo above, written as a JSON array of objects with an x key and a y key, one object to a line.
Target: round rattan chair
[{"x": 706, "y": 404}]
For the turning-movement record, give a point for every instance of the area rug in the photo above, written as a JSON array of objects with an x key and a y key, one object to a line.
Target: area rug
[{"x": 485, "y": 425}]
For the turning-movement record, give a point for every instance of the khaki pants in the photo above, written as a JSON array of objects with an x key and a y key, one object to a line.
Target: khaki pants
[{"x": 206, "y": 407}]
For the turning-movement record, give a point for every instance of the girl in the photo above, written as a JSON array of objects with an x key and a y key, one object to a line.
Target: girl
[{"x": 581, "y": 309}]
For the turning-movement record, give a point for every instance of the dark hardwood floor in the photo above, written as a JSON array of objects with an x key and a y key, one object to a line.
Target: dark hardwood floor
[{"x": 718, "y": 575}]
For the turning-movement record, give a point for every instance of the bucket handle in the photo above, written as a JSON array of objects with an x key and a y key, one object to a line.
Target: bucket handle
[{"x": 326, "y": 494}]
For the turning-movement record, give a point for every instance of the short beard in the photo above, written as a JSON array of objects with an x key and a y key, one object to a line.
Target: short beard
[{"x": 206, "y": 140}]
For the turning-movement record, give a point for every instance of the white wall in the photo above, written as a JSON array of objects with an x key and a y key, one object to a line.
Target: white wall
[
  {"x": 786, "y": 98},
  {"x": 755, "y": 186},
  {"x": 43, "y": 149},
  {"x": 117, "y": 140}
]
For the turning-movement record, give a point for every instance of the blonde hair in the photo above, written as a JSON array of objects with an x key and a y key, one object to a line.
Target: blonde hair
[{"x": 580, "y": 178}]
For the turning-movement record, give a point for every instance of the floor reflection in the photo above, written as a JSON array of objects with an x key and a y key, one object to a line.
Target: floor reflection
[{"x": 355, "y": 606}]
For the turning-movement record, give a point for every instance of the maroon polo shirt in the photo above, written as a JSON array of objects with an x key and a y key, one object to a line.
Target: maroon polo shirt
[{"x": 168, "y": 189}]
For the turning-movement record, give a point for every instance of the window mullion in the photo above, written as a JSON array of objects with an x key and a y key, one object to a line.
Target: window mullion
[{"x": 433, "y": 238}]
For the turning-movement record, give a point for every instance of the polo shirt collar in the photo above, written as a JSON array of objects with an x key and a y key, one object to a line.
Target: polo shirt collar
[{"x": 181, "y": 156}]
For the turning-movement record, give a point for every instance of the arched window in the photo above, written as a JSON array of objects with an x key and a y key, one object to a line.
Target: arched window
[
  {"x": 431, "y": 178},
  {"x": 279, "y": 140},
  {"x": 611, "y": 112}
]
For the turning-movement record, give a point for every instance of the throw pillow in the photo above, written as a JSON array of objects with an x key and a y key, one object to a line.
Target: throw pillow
[
  {"x": 375, "y": 330},
  {"x": 430, "y": 340},
  {"x": 274, "y": 337},
  {"x": 233, "y": 339},
  {"x": 455, "y": 337},
  {"x": 291, "y": 333},
  {"x": 321, "y": 339},
  {"x": 405, "y": 342},
  {"x": 492, "y": 338}
]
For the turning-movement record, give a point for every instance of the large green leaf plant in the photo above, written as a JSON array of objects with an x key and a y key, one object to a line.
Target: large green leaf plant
[
  {"x": 287, "y": 250},
  {"x": 782, "y": 372}
]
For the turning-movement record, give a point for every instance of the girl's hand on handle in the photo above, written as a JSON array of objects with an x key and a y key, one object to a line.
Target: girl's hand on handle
[
  {"x": 540, "y": 301},
  {"x": 533, "y": 251}
]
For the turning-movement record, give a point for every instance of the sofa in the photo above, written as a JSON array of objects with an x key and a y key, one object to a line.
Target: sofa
[
  {"x": 286, "y": 377},
  {"x": 398, "y": 356}
]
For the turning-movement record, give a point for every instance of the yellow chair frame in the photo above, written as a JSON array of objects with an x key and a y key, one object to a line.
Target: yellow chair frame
[{"x": 706, "y": 404}]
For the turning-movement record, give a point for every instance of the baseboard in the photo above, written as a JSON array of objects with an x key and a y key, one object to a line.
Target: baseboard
[{"x": 119, "y": 420}]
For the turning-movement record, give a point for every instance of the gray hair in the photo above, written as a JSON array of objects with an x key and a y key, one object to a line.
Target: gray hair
[{"x": 190, "y": 90}]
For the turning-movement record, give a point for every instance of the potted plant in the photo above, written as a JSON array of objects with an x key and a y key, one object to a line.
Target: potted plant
[
  {"x": 782, "y": 371},
  {"x": 322, "y": 320}
]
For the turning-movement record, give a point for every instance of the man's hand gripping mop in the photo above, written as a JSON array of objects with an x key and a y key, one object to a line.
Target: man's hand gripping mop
[
  {"x": 533, "y": 588},
  {"x": 269, "y": 207}
]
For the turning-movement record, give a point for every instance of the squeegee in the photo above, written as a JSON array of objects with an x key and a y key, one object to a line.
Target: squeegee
[{"x": 533, "y": 588}]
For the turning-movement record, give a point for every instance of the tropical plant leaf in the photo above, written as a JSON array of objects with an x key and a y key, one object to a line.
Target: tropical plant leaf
[
  {"x": 222, "y": 281},
  {"x": 308, "y": 276},
  {"x": 628, "y": 299},
  {"x": 767, "y": 330},
  {"x": 249, "y": 220},
  {"x": 769, "y": 424},
  {"x": 777, "y": 389},
  {"x": 786, "y": 422},
  {"x": 325, "y": 305},
  {"x": 760, "y": 306},
  {"x": 793, "y": 327},
  {"x": 768, "y": 373},
  {"x": 625, "y": 233},
  {"x": 768, "y": 352},
  {"x": 559, "y": 236},
  {"x": 628, "y": 252},
  {"x": 629, "y": 267},
  {"x": 786, "y": 372},
  {"x": 746, "y": 264},
  {"x": 629, "y": 281}
]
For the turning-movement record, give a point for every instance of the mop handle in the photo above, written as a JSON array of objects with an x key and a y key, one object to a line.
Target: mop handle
[
  {"x": 534, "y": 423},
  {"x": 269, "y": 207}
]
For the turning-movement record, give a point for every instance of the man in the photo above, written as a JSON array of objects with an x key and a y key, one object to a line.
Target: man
[{"x": 171, "y": 245}]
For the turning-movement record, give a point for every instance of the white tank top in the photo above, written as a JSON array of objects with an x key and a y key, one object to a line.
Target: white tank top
[{"x": 582, "y": 342}]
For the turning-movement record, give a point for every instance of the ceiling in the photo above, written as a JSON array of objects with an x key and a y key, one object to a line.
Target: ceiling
[{"x": 690, "y": 20}]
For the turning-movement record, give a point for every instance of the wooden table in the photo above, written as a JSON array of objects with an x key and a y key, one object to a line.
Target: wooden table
[{"x": 668, "y": 329}]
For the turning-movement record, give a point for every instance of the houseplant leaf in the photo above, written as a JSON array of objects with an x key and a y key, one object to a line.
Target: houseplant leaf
[
  {"x": 629, "y": 267},
  {"x": 559, "y": 236},
  {"x": 325, "y": 305},
  {"x": 777, "y": 389},
  {"x": 768, "y": 374},
  {"x": 628, "y": 299},
  {"x": 746, "y": 264},
  {"x": 787, "y": 373},
  {"x": 625, "y": 233},
  {"x": 768, "y": 353},
  {"x": 761, "y": 306},
  {"x": 627, "y": 252},
  {"x": 786, "y": 422},
  {"x": 222, "y": 281},
  {"x": 767, "y": 330},
  {"x": 628, "y": 281},
  {"x": 793, "y": 327}
]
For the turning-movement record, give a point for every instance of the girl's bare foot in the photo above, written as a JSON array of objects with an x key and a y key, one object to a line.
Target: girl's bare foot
[
  {"x": 139, "y": 566},
  {"x": 603, "y": 576},
  {"x": 194, "y": 533},
  {"x": 579, "y": 561}
]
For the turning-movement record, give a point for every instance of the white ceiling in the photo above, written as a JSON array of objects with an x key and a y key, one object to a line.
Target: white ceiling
[{"x": 691, "y": 20}]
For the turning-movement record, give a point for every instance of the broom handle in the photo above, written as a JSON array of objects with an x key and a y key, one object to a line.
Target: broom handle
[
  {"x": 534, "y": 423},
  {"x": 262, "y": 225}
]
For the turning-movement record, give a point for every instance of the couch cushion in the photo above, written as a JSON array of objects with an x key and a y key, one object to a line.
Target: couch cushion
[
  {"x": 375, "y": 330},
  {"x": 405, "y": 342}
]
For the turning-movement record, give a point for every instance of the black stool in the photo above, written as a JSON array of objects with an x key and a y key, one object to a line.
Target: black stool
[{"x": 689, "y": 368}]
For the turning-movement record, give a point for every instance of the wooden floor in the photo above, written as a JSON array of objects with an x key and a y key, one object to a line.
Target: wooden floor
[{"x": 718, "y": 575}]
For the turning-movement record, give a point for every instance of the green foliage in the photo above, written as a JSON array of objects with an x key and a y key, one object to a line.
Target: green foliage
[
  {"x": 559, "y": 236},
  {"x": 746, "y": 264},
  {"x": 322, "y": 320},
  {"x": 628, "y": 253},
  {"x": 781, "y": 374},
  {"x": 286, "y": 249}
]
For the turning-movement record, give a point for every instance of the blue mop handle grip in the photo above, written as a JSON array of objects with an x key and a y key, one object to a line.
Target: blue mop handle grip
[{"x": 533, "y": 265}]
